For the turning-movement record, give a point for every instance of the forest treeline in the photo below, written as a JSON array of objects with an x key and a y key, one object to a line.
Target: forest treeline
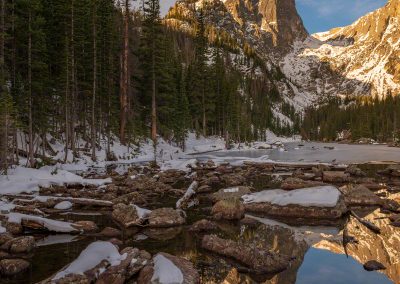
[
  {"x": 357, "y": 118},
  {"x": 94, "y": 70}
]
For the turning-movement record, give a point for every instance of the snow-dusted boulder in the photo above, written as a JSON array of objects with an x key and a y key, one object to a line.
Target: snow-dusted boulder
[
  {"x": 323, "y": 202},
  {"x": 129, "y": 215},
  {"x": 167, "y": 269}
]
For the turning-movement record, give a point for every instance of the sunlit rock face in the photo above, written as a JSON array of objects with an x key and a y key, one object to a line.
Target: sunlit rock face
[
  {"x": 383, "y": 247},
  {"x": 279, "y": 19},
  {"x": 360, "y": 59}
]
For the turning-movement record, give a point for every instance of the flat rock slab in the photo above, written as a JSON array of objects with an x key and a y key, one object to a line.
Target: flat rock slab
[
  {"x": 359, "y": 196},
  {"x": 258, "y": 260}
]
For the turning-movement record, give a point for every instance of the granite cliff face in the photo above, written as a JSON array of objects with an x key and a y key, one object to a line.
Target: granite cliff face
[
  {"x": 361, "y": 59},
  {"x": 279, "y": 19}
]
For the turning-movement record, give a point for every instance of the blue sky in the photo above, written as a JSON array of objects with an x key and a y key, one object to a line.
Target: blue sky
[{"x": 322, "y": 15}]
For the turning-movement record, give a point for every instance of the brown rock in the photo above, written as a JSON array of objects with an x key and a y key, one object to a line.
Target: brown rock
[
  {"x": 359, "y": 196},
  {"x": 231, "y": 193},
  {"x": 5, "y": 237},
  {"x": 297, "y": 183},
  {"x": 85, "y": 226},
  {"x": 233, "y": 179},
  {"x": 335, "y": 177},
  {"x": 126, "y": 215},
  {"x": 166, "y": 217},
  {"x": 20, "y": 245},
  {"x": 203, "y": 225},
  {"x": 230, "y": 209},
  {"x": 110, "y": 232},
  {"x": 261, "y": 261},
  {"x": 10, "y": 267},
  {"x": 13, "y": 228}
]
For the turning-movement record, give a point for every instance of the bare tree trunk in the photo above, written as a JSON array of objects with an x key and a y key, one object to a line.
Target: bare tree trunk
[
  {"x": 73, "y": 81},
  {"x": 204, "y": 111},
  {"x": 66, "y": 108},
  {"x": 124, "y": 76},
  {"x": 30, "y": 126},
  {"x": 153, "y": 101},
  {"x": 93, "y": 127}
]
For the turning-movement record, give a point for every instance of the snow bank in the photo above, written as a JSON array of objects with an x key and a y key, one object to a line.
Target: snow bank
[
  {"x": 51, "y": 225},
  {"x": 2, "y": 229},
  {"x": 320, "y": 196},
  {"x": 28, "y": 180},
  {"x": 165, "y": 271},
  {"x": 6, "y": 206},
  {"x": 92, "y": 256},
  {"x": 64, "y": 205}
]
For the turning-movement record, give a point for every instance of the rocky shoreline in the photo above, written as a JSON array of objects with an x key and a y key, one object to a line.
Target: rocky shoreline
[{"x": 152, "y": 203}]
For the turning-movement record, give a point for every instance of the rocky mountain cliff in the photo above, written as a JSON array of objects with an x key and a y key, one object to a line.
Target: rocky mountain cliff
[{"x": 361, "y": 59}]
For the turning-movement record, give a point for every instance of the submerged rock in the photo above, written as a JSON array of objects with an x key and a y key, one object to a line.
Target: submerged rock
[
  {"x": 258, "y": 260},
  {"x": 110, "y": 232},
  {"x": 373, "y": 265},
  {"x": 229, "y": 209},
  {"x": 203, "y": 225},
  {"x": 10, "y": 267},
  {"x": 166, "y": 217}
]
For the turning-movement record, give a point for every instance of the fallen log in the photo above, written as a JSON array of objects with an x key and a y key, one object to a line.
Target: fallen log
[{"x": 366, "y": 223}]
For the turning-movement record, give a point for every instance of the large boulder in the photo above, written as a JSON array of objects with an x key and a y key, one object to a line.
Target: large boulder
[
  {"x": 20, "y": 245},
  {"x": 127, "y": 215},
  {"x": 231, "y": 193},
  {"x": 319, "y": 203},
  {"x": 229, "y": 209},
  {"x": 203, "y": 225},
  {"x": 167, "y": 268},
  {"x": 258, "y": 260},
  {"x": 166, "y": 217},
  {"x": 296, "y": 183},
  {"x": 10, "y": 267}
]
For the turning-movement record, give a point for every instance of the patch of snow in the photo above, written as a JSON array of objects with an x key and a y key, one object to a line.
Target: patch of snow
[
  {"x": 6, "y": 206},
  {"x": 2, "y": 229},
  {"x": 92, "y": 256},
  {"x": 320, "y": 196},
  {"x": 165, "y": 271},
  {"x": 51, "y": 225},
  {"x": 142, "y": 212},
  {"x": 28, "y": 180},
  {"x": 231, "y": 190},
  {"x": 64, "y": 205}
]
